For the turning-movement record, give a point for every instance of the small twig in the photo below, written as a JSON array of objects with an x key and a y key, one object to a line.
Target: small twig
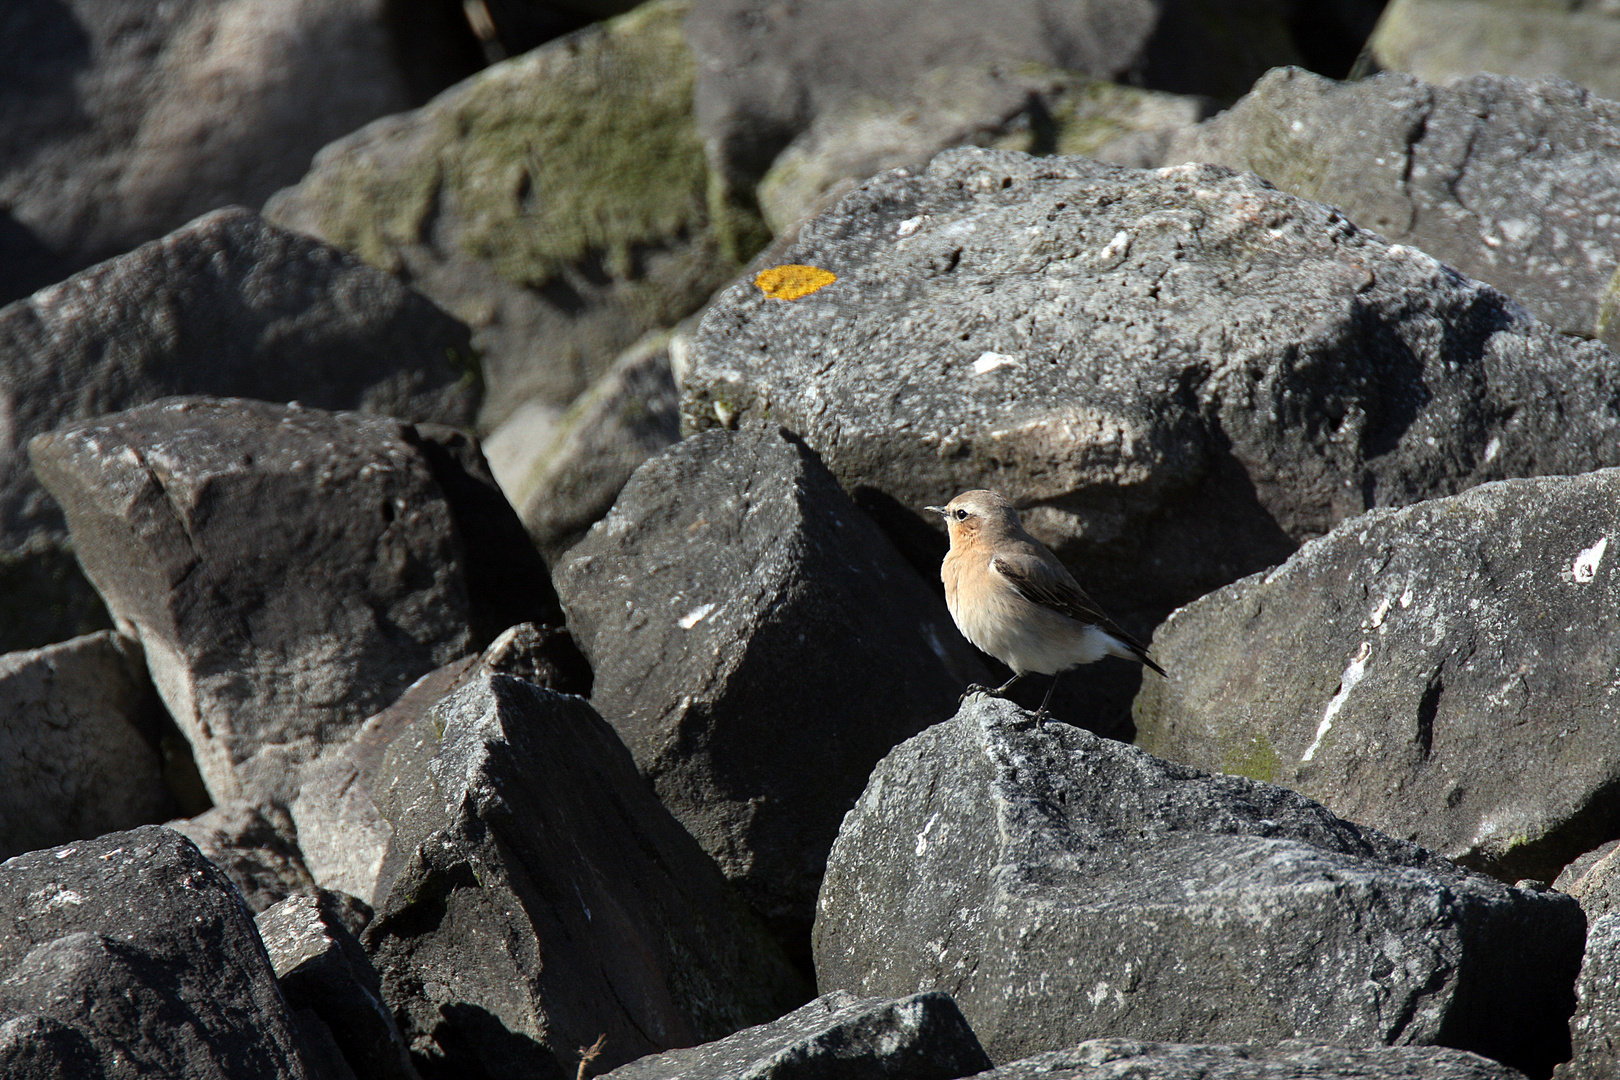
[{"x": 588, "y": 1054}]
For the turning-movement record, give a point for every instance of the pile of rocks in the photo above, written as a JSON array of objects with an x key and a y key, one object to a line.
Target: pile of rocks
[{"x": 335, "y": 748}]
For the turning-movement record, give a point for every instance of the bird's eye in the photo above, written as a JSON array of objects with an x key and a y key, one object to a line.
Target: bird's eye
[{"x": 961, "y": 515}]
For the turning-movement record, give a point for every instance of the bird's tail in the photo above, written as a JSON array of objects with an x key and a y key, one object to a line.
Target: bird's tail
[{"x": 1131, "y": 650}]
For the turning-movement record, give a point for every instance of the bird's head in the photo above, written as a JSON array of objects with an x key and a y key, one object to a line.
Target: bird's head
[{"x": 973, "y": 511}]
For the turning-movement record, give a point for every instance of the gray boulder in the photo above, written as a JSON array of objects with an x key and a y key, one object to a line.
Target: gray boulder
[
  {"x": 1595, "y": 1028},
  {"x": 287, "y": 571},
  {"x": 227, "y": 305},
  {"x": 1515, "y": 183},
  {"x": 34, "y": 1047},
  {"x": 257, "y": 848},
  {"x": 1442, "y": 41},
  {"x": 536, "y": 896},
  {"x": 559, "y": 203},
  {"x": 759, "y": 645},
  {"x": 139, "y": 945},
  {"x": 1441, "y": 672},
  {"x": 628, "y": 415},
  {"x": 124, "y": 119},
  {"x": 1179, "y": 374},
  {"x": 78, "y": 743},
  {"x": 1061, "y": 886},
  {"x": 1127, "y": 1059},
  {"x": 922, "y": 1037},
  {"x": 321, "y": 967},
  {"x": 1593, "y": 879}
]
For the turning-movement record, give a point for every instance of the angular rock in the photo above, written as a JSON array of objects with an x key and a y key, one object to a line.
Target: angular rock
[
  {"x": 226, "y": 305},
  {"x": 535, "y": 896},
  {"x": 1118, "y": 1059},
  {"x": 1179, "y": 374},
  {"x": 266, "y": 643},
  {"x": 922, "y": 1037},
  {"x": 257, "y": 848},
  {"x": 123, "y": 119},
  {"x": 1062, "y": 886},
  {"x": 1596, "y": 1021},
  {"x": 1442, "y": 41},
  {"x": 78, "y": 743},
  {"x": 1444, "y": 672},
  {"x": 758, "y": 645},
  {"x": 322, "y": 968},
  {"x": 628, "y": 415},
  {"x": 766, "y": 75},
  {"x": 1593, "y": 880},
  {"x": 1515, "y": 183},
  {"x": 559, "y": 203},
  {"x": 344, "y": 837},
  {"x": 34, "y": 1047},
  {"x": 142, "y": 947}
]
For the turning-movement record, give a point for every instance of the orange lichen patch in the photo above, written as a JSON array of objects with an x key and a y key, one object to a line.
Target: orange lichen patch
[{"x": 792, "y": 282}]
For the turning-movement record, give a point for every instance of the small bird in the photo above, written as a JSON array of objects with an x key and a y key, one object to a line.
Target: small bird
[{"x": 1011, "y": 597}]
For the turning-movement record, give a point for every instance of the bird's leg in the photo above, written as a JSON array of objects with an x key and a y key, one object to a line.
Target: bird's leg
[
  {"x": 1000, "y": 691},
  {"x": 1040, "y": 713}
]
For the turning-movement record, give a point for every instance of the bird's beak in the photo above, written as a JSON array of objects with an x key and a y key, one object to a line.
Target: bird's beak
[{"x": 940, "y": 510}]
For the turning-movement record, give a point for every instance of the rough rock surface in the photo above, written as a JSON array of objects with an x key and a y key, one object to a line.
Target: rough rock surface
[
  {"x": 1180, "y": 373},
  {"x": 1061, "y": 886},
  {"x": 628, "y": 415},
  {"x": 1515, "y": 183},
  {"x": 227, "y": 305},
  {"x": 1593, "y": 880},
  {"x": 142, "y": 947},
  {"x": 265, "y": 643},
  {"x": 922, "y": 1037},
  {"x": 78, "y": 743},
  {"x": 759, "y": 645},
  {"x": 123, "y": 119},
  {"x": 1442, "y": 41},
  {"x": 1595, "y": 1028},
  {"x": 536, "y": 896},
  {"x": 257, "y": 848},
  {"x": 1444, "y": 672},
  {"x": 320, "y": 966},
  {"x": 1126, "y": 1059},
  {"x": 559, "y": 203}
]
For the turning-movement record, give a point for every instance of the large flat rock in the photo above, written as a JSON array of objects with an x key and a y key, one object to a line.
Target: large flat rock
[
  {"x": 1064, "y": 887},
  {"x": 1179, "y": 374}
]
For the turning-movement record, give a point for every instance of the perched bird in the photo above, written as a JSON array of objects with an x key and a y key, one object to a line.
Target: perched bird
[{"x": 1011, "y": 597}]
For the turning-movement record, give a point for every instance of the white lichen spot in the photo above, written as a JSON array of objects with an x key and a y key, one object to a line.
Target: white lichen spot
[
  {"x": 1098, "y": 995},
  {"x": 1347, "y": 682},
  {"x": 922, "y": 837},
  {"x": 1377, "y": 618},
  {"x": 1406, "y": 597},
  {"x": 1117, "y": 248},
  {"x": 989, "y": 361},
  {"x": 1493, "y": 448},
  {"x": 1586, "y": 563},
  {"x": 695, "y": 616},
  {"x": 910, "y": 225}
]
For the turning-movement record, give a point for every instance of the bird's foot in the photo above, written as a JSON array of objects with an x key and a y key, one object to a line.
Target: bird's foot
[{"x": 975, "y": 688}]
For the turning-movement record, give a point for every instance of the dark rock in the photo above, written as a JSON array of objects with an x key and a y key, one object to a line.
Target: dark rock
[
  {"x": 34, "y": 1047},
  {"x": 1442, "y": 672},
  {"x": 1515, "y": 183},
  {"x": 1593, "y": 879},
  {"x": 227, "y": 305},
  {"x": 344, "y": 837},
  {"x": 1062, "y": 886},
  {"x": 1177, "y": 374},
  {"x": 628, "y": 415},
  {"x": 559, "y": 203},
  {"x": 535, "y": 896},
  {"x": 142, "y": 947},
  {"x": 123, "y": 119},
  {"x": 266, "y": 643},
  {"x": 759, "y": 645},
  {"x": 1443, "y": 41},
  {"x": 256, "y": 846},
  {"x": 1594, "y": 1027},
  {"x": 1118, "y": 1059},
  {"x": 78, "y": 743},
  {"x": 922, "y": 1037},
  {"x": 321, "y": 967}
]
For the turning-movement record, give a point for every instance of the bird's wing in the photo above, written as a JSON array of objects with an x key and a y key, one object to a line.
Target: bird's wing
[{"x": 1056, "y": 588}]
